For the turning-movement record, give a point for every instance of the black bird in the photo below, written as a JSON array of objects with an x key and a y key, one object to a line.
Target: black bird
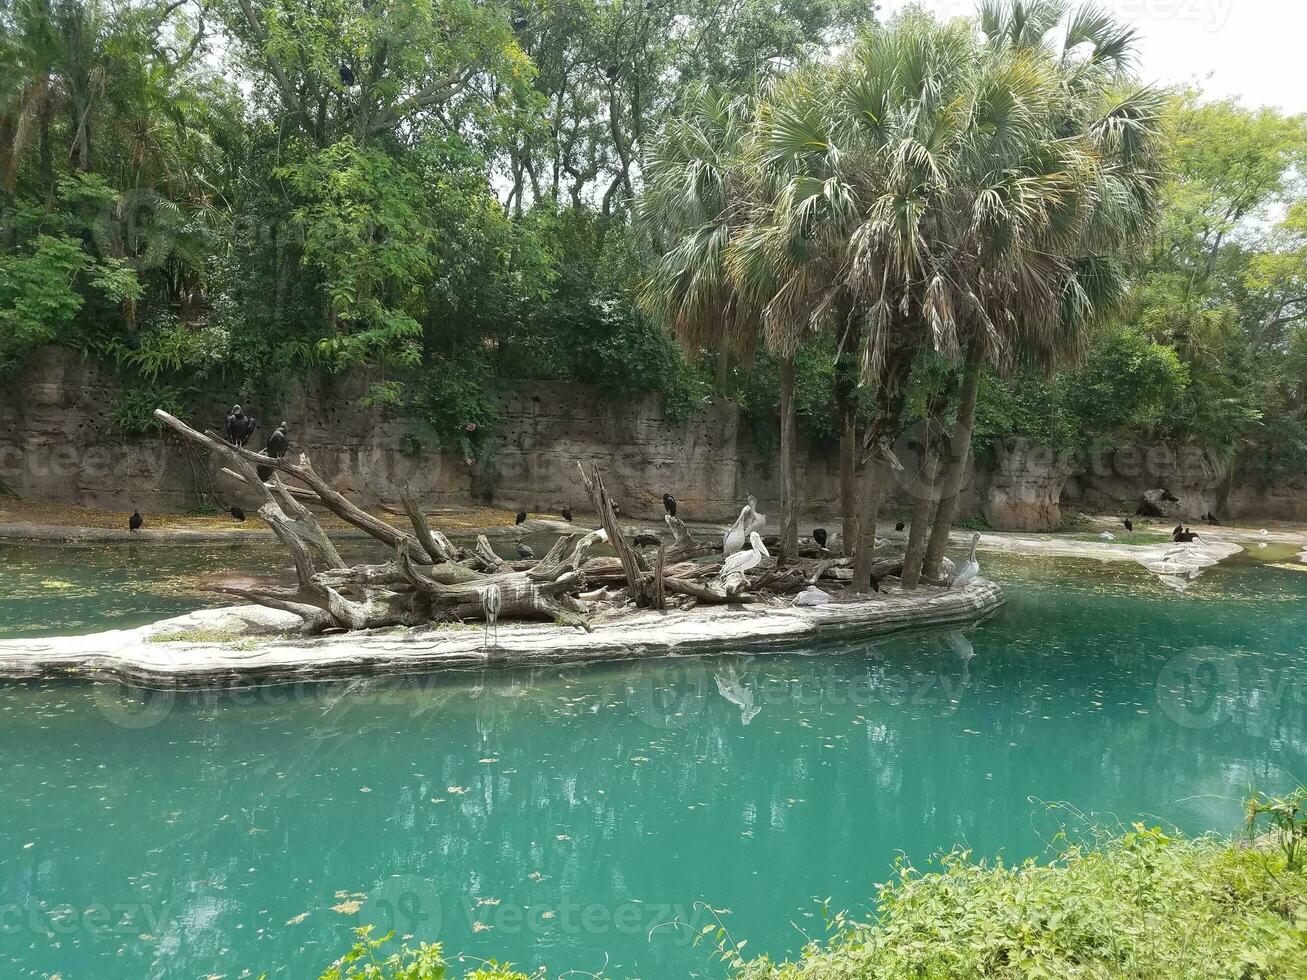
[
  {"x": 1169, "y": 497},
  {"x": 819, "y": 535},
  {"x": 277, "y": 442},
  {"x": 617, "y": 511},
  {"x": 567, "y": 513},
  {"x": 1179, "y": 530},
  {"x": 240, "y": 426},
  {"x": 1186, "y": 536},
  {"x": 521, "y": 517},
  {"x": 669, "y": 504},
  {"x": 1211, "y": 519},
  {"x": 135, "y": 521},
  {"x": 236, "y": 512},
  {"x": 899, "y": 526},
  {"x": 647, "y": 540},
  {"x": 875, "y": 584},
  {"x": 1129, "y": 524},
  {"x": 524, "y": 550},
  {"x": 346, "y": 74},
  {"x": 276, "y": 448}
]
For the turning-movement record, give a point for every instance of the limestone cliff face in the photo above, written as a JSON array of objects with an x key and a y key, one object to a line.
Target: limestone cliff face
[
  {"x": 1023, "y": 489},
  {"x": 1110, "y": 478},
  {"x": 56, "y": 441}
]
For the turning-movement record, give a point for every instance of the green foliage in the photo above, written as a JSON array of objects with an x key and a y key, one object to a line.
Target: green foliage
[
  {"x": 364, "y": 961},
  {"x": 1127, "y": 387},
  {"x": 1141, "y": 905},
  {"x": 1027, "y": 405},
  {"x": 132, "y": 412},
  {"x": 1288, "y": 820},
  {"x": 454, "y": 398}
]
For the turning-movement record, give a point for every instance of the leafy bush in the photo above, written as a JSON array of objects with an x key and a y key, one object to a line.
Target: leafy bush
[
  {"x": 424, "y": 963},
  {"x": 132, "y": 412},
  {"x": 1142, "y": 905}
]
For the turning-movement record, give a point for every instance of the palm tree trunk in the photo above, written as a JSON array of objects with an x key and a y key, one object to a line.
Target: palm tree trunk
[
  {"x": 957, "y": 465},
  {"x": 789, "y": 464},
  {"x": 872, "y": 471},
  {"x": 923, "y": 490},
  {"x": 849, "y": 484}
]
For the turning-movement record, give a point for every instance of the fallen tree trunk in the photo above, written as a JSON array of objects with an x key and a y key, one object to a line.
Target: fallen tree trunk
[{"x": 429, "y": 579}]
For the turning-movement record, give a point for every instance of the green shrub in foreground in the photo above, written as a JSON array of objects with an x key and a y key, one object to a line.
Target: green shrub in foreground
[
  {"x": 366, "y": 960},
  {"x": 1139, "y": 906},
  {"x": 1143, "y": 905}
]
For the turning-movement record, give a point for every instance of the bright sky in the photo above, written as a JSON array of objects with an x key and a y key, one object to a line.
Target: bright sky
[{"x": 1253, "y": 49}]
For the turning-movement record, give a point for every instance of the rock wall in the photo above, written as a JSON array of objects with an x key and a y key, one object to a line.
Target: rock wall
[
  {"x": 57, "y": 441},
  {"x": 1283, "y": 501},
  {"x": 1111, "y": 479},
  {"x": 1023, "y": 488}
]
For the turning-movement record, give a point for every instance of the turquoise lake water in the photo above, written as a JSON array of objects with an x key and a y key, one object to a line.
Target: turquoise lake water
[{"x": 572, "y": 818}]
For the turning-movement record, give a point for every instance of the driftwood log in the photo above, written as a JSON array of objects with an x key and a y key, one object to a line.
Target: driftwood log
[{"x": 429, "y": 579}]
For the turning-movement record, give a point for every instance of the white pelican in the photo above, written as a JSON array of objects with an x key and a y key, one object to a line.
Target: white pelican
[
  {"x": 811, "y": 596},
  {"x": 748, "y": 522},
  {"x": 742, "y": 561},
  {"x": 1108, "y": 536},
  {"x": 971, "y": 569}
]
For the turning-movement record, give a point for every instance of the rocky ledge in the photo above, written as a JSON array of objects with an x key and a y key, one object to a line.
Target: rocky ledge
[{"x": 242, "y": 645}]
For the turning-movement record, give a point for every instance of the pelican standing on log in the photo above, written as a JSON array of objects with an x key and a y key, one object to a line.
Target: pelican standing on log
[
  {"x": 743, "y": 561},
  {"x": 748, "y": 522}
]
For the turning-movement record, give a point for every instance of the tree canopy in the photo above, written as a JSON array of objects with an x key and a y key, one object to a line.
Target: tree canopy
[{"x": 455, "y": 195}]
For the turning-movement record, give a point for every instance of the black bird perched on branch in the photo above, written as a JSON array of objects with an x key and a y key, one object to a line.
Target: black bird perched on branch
[
  {"x": 277, "y": 445},
  {"x": 524, "y": 550},
  {"x": 346, "y": 74},
  {"x": 567, "y": 513},
  {"x": 240, "y": 426},
  {"x": 819, "y": 535},
  {"x": 617, "y": 511},
  {"x": 669, "y": 504},
  {"x": 521, "y": 517},
  {"x": 899, "y": 526},
  {"x": 1129, "y": 524},
  {"x": 135, "y": 521},
  {"x": 236, "y": 512},
  {"x": 647, "y": 540}
]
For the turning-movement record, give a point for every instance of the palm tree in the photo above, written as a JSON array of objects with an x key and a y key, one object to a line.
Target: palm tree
[
  {"x": 1110, "y": 205},
  {"x": 714, "y": 283},
  {"x": 958, "y": 194}
]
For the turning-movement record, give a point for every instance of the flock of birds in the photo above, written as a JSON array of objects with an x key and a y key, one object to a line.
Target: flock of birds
[
  {"x": 742, "y": 545},
  {"x": 240, "y": 427},
  {"x": 744, "y": 548}
]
